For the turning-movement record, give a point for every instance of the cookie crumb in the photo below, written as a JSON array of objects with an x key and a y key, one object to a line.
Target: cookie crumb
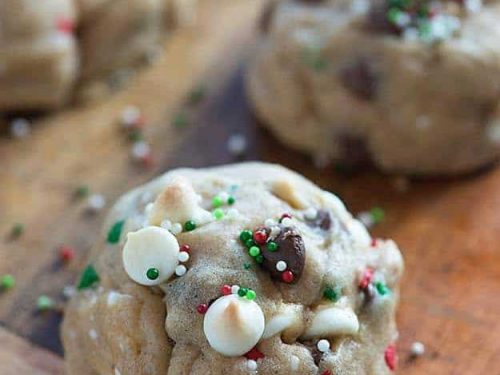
[{"x": 237, "y": 144}]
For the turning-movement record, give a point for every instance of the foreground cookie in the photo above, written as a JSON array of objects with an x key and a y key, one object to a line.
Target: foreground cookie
[
  {"x": 50, "y": 49},
  {"x": 410, "y": 85},
  {"x": 240, "y": 269}
]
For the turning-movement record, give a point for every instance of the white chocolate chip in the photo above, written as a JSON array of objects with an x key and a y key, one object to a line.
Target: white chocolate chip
[
  {"x": 176, "y": 229},
  {"x": 281, "y": 266},
  {"x": 150, "y": 247},
  {"x": 285, "y": 190},
  {"x": 280, "y": 323},
  {"x": 311, "y": 213},
  {"x": 233, "y": 325},
  {"x": 332, "y": 321},
  {"x": 180, "y": 270},
  {"x": 183, "y": 256},
  {"x": 323, "y": 345}
]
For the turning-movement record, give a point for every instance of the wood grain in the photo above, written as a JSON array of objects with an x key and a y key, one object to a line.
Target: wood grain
[{"x": 449, "y": 230}]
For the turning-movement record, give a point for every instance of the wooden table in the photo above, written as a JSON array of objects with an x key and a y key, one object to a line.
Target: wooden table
[{"x": 449, "y": 230}]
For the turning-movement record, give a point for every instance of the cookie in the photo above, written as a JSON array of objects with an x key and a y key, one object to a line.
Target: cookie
[
  {"x": 241, "y": 269},
  {"x": 411, "y": 87}
]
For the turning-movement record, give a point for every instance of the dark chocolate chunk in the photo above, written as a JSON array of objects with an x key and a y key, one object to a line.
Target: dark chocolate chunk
[
  {"x": 377, "y": 19},
  {"x": 360, "y": 79},
  {"x": 290, "y": 249},
  {"x": 323, "y": 220}
]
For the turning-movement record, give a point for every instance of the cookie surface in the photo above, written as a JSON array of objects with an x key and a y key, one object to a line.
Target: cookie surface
[
  {"x": 258, "y": 271},
  {"x": 411, "y": 87}
]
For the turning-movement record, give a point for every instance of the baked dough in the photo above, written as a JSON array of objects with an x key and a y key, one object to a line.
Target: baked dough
[
  {"x": 281, "y": 279},
  {"x": 338, "y": 80}
]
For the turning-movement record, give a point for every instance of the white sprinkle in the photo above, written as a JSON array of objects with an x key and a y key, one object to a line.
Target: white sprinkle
[
  {"x": 294, "y": 362},
  {"x": 422, "y": 122},
  {"x": 166, "y": 224},
  {"x": 403, "y": 19},
  {"x": 20, "y": 128},
  {"x": 69, "y": 291},
  {"x": 252, "y": 365},
  {"x": 287, "y": 222},
  {"x": 117, "y": 372},
  {"x": 410, "y": 34},
  {"x": 269, "y": 223},
  {"x": 366, "y": 218},
  {"x": 140, "y": 150},
  {"x": 183, "y": 256},
  {"x": 176, "y": 229},
  {"x": 237, "y": 144},
  {"x": 232, "y": 213},
  {"x": 275, "y": 231},
  {"x": 235, "y": 289},
  {"x": 323, "y": 345},
  {"x": 311, "y": 213},
  {"x": 224, "y": 196},
  {"x": 417, "y": 349},
  {"x": 281, "y": 266},
  {"x": 93, "y": 334},
  {"x": 96, "y": 202},
  {"x": 180, "y": 270},
  {"x": 473, "y": 6},
  {"x": 130, "y": 116}
]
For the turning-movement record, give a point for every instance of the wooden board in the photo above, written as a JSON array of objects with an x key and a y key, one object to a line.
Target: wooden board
[{"x": 448, "y": 230}]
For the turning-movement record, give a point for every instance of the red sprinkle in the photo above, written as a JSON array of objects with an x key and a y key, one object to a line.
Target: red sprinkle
[
  {"x": 226, "y": 290},
  {"x": 326, "y": 372},
  {"x": 254, "y": 354},
  {"x": 366, "y": 279},
  {"x": 286, "y": 215},
  {"x": 374, "y": 242},
  {"x": 260, "y": 237},
  {"x": 148, "y": 161},
  {"x": 185, "y": 248},
  {"x": 66, "y": 253},
  {"x": 65, "y": 25},
  {"x": 287, "y": 276},
  {"x": 202, "y": 308},
  {"x": 391, "y": 357}
]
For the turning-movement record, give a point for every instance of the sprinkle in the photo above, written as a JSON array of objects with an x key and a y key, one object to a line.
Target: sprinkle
[
  {"x": 391, "y": 357},
  {"x": 254, "y": 251},
  {"x": 332, "y": 294},
  {"x": 287, "y": 276},
  {"x": 225, "y": 290},
  {"x": 311, "y": 213},
  {"x": 7, "y": 282},
  {"x": 93, "y": 334},
  {"x": 237, "y": 144},
  {"x": 382, "y": 289},
  {"x": 180, "y": 120},
  {"x": 247, "y": 266},
  {"x": 196, "y": 95},
  {"x": 131, "y": 117},
  {"x": 249, "y": 243},
  {"x": 242, "y": 292},
  {"x": 250, "y": 295},
  {"x": 176, "y": 228},
  {"x": 269, "y": 223},
  {"x": 417, "y": 349},
  {"x": 68, "y": 291},
  {"x": 20, "y": 128},
  {"x": 232, "y": 213},
  {"x": 183, "y": 256},
  {"x": 281, "y": 266},
  {"x": 245, "y": 235},
  {"x": 44, "y": 303},
  {"x": 189, "y": 226},
  {"x": 82, "y": 191},
  {"x": 115, "y": 232},
  {"x": 272, "y": 246},
  {"x": 96, "y": 202},
  {"x": 252, "y": 365},
  {"x": 231, "y": 200},
  {"x": 217, "y": 202},
  {"x": 323, "y": 345},
  {"x": 287, "y": 222},
  {"x": 326, "y": 372},
  {"x": 17, "y": 230},
  {"x": 235, "y": 289},
  {"x": 66, "y": 253},
  {"x": 140, "y": 150},
  {"x": 166, "y": 224},
  {"x": 254, "y": 354},
  {"x": 180, "y": 270},
  {"x": 152, "y": 273},
  {"x": 185, "y": 248},
  {"x": 65, "y": 25},
  {"x": 89, "y": 278},
  {"x": 202, "y": 308},
  {"x": 294, "y": 362},
  {"x": 259, "y": 259},
  {"x": 378, "y": 214},
  {"x": 218, "y": 214},
  {"x": 275, "y": 231},
  {"x": 366, "y": 278},
  {"x": 260, "y": 237}
]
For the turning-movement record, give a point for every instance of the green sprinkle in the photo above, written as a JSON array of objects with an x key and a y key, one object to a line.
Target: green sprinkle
[
  {"x": 231, "y": 200},
  {"x": 333, "y": 294},
  {"x": 251, "y": 295},
  {"x": 242, "y": 292},
  {"x": 196, "y": 95},
  {"x": 312, "y": 58},
  {"x": 82, "y": 191},
  {"x": 152, "y": 273},
  {"x": 44, "y": 303},
  {"x": 180, "y": 120},
  {"x": 249, "y": 243},
  {"x": 254, "y": 251},
  {"x": 7, "y": 282},
  {"x": 135, "y": 136},
  {"x": 115, "y": 232},
  {"x": 246, "y": 235},
  {"x": 247, "y": 266},
  {"x": 218, "y": 213},
  {"x": 217, "y": 202},
  {"x": 89, "y": 278},
  {"x": 382, "y": 289},
  {"x": 259, "y": 259},
  {"x": 393, "y": 15},
  {"x": 189, "y": 226},
  {"x": 272, "y": 246},
  {"x": 17, "y": 230},
  {"x": 377, "y": 214}
]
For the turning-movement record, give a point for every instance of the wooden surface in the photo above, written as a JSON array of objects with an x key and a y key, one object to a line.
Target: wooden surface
[{"x": 449, "y": 230}]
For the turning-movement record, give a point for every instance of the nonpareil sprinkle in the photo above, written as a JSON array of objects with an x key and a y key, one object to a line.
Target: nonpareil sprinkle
[
  {"x": 44, "y": 303},
  {"x": 7, "y": 282},
  {"x": 115, "y": 232}
]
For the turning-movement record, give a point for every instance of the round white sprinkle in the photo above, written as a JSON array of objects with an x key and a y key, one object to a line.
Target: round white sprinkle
[
  {"x": 417, "y": 349},
  {"x": 232, "y": 213},
  {"x": 20, "y": 128},
  {"x": 269, "y": 223},
  {"x": 287, "y": 222},
  {"x": 183, "y": 256},
  {"x": 252, "y": 365},
  {"x": 140, "y": 150},
  {"x": 93, "y": 334},
  {"x": 69, "y": 291},
  {"x": 275, "y": 231},
  {"x": 235, "y": 289},
  {"x": 237, "y": 144},
  {"x": 130, "y": 116},
  {"x": 166, "y": 224},
  {"x": 294, "y": 362},
  {"x": 224, "y": 196},
  {"x": 281, "y": 266},
  {"x": 323, "y": 345},
  {"x": 180, "y": 270},
  {"x": 96, "y": 202},
  {"x": 176, "y": 228},
  {"x": 311, "y": 213}
]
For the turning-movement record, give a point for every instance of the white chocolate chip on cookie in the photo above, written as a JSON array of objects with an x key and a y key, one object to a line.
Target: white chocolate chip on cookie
[{"x": 332, "y": 321}]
